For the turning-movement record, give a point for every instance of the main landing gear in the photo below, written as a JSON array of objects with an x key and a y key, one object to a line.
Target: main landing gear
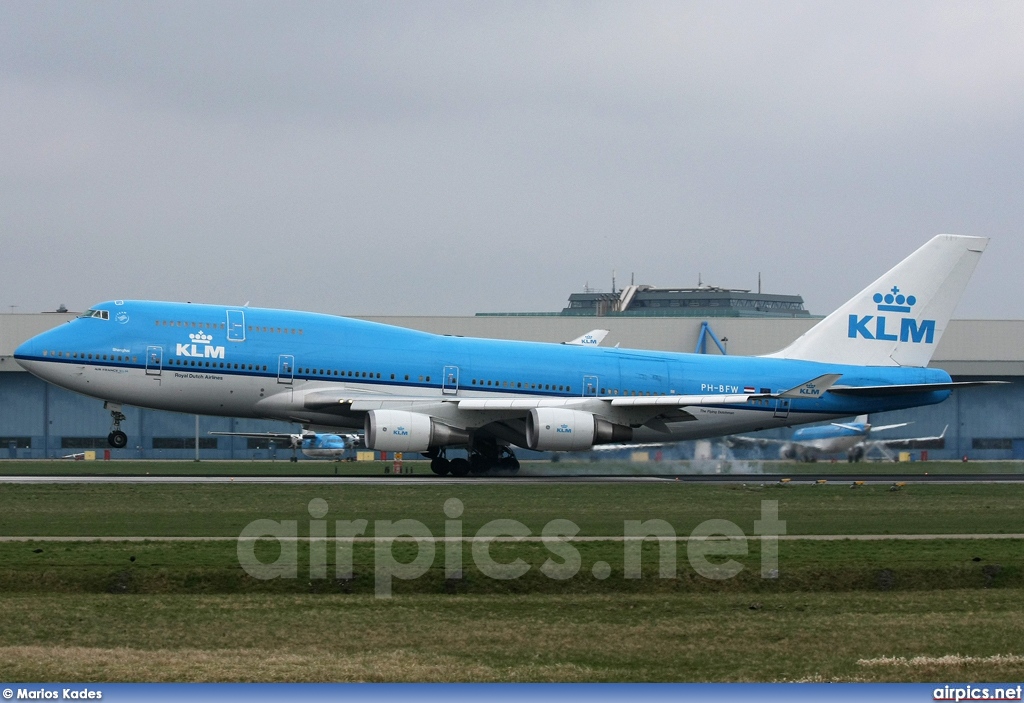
[
  {"x": 482, "y": 459},
  {"x": 117, "y": 439}
]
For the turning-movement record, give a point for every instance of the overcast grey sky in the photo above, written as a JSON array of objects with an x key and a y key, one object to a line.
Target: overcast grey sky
[{"x": 451, "y": 158}]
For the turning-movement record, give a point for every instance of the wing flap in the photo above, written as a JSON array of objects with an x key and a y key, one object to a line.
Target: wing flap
[{"x": 655, "y": 401}]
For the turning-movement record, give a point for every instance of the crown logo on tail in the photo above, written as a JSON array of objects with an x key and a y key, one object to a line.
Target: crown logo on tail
[{"x": 894, "y": 301}]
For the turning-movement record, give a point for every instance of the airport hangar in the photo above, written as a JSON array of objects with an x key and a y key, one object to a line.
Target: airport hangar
[{"x": 38, "y": 420}]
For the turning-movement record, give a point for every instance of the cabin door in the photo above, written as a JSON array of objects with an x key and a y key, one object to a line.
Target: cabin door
[
  {"x": 236, "y": 325},
  {"x": 285, "y": 368},
  {"x": 154, "y": 360},
  {"x": 450, "y": 380}
]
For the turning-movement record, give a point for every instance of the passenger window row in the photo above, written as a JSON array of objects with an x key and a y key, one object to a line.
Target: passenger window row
[
  {"x": 349, "y": 374},
  {"x": 221, "y": 325},
  {"x": 519, "y": 384},
  {"x": 196, "y": 325},
  {"x": 274, "y": 330},
  {"x": 94, "y": 357},
  {"x": 216, "y": 365}
]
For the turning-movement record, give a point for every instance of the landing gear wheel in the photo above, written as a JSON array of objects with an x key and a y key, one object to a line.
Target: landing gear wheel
[
  {"x": 459, "y": 467},
  {"x": 117, "y": 439},
  {"x": 440, "y": 466},
  {"x": 479, "y": 464},
  {"x": 509, "y": 464}
]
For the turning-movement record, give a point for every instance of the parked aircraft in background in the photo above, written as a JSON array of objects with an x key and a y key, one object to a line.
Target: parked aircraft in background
[
  {"x": 592, "y": 338},
  {"x": 411, "y": 391},
  {"x": 850, "y": 438},
  {"x": 312, "y": 444}
]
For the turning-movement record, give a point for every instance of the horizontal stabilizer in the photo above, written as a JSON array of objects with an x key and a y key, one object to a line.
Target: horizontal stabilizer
[
  {"x": 890, "y": 427},
  {"x": 844, "y": 426},
  {"x": 813, "y": 388},
  {"x": 880, "y": 391}
]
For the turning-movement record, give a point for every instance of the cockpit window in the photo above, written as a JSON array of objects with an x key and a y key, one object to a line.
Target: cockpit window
[{"x": 101, "y": 314}]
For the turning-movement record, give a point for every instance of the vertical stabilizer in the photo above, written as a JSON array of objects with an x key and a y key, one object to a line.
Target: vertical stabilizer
[{"x": 899, "y": 319}]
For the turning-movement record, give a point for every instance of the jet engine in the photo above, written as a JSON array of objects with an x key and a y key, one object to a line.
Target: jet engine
[
  {"x": 561, "y": 429},
  {"x": 404, "y": 431}
]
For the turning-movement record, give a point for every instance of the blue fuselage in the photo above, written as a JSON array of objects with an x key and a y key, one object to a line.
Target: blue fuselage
[{"x": 226, "y": 360}]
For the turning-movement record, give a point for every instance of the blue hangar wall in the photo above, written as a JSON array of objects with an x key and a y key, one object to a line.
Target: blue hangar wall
[{"x": 38, "y": 420}]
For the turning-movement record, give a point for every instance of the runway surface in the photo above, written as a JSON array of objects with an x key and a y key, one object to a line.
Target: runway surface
[
  {"x": 425, "y": 480},
  {"x": 529, "y": 538}
]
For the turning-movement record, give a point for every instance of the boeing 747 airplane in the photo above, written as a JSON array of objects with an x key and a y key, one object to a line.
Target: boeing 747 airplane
[
  {"x": 411, "y": 391},
  {"x": 850, "y": 438}
]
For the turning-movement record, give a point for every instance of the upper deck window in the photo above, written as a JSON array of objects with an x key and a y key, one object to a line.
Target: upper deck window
[{"x": 101, "y": 314}]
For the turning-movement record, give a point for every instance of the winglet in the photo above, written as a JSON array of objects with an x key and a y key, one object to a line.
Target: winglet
[{"x": 813, "y": 388}]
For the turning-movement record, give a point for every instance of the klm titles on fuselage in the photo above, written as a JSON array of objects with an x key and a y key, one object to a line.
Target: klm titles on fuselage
[
  {"x": 200, "y": 348},
  {"x": 910, "y": 330}
]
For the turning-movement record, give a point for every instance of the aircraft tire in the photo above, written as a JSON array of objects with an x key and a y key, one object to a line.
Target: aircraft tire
[
  {"x": 117, "y": 439},
  {"x": 459, "y": 467},
  {"x": 479, "y": 464},
  {"x": 440, "y": 466},
  {"x": 509, "y": 464}
]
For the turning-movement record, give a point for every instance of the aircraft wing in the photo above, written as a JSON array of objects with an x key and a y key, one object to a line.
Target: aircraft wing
[
  {"x": 324, "y": 400},
  {"x": 631, "y": 445},
  {"x": 287, "y": 436},
  {"x": 937, "y": 442},
  {"x": 742, "y": 442},
  {"x": 293, "y": 439},
  {"x": 652, "y": 411}
]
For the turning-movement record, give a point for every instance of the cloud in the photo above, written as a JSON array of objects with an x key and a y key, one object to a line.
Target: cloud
[{"x": 449, "y": 158}]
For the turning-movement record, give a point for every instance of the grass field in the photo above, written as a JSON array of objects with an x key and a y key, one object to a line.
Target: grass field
[
  {"x": 596, "y": 637},
  {"x": 598, "y": 509},
  {"x": 887, "y": 610}
]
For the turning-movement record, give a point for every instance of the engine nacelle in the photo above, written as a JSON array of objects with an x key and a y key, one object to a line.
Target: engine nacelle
[
  {"x": 564, "y": 430},
  {"x": 404, "y": 431}
]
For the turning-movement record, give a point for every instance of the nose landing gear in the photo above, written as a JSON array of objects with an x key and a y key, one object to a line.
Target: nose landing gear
[{"x": 117, "y": 439}]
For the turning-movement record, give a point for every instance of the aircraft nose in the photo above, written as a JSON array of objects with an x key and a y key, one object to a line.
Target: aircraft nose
[
  {"x": 26, "y": 351},
  {"x": 33, "y": 349}
]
